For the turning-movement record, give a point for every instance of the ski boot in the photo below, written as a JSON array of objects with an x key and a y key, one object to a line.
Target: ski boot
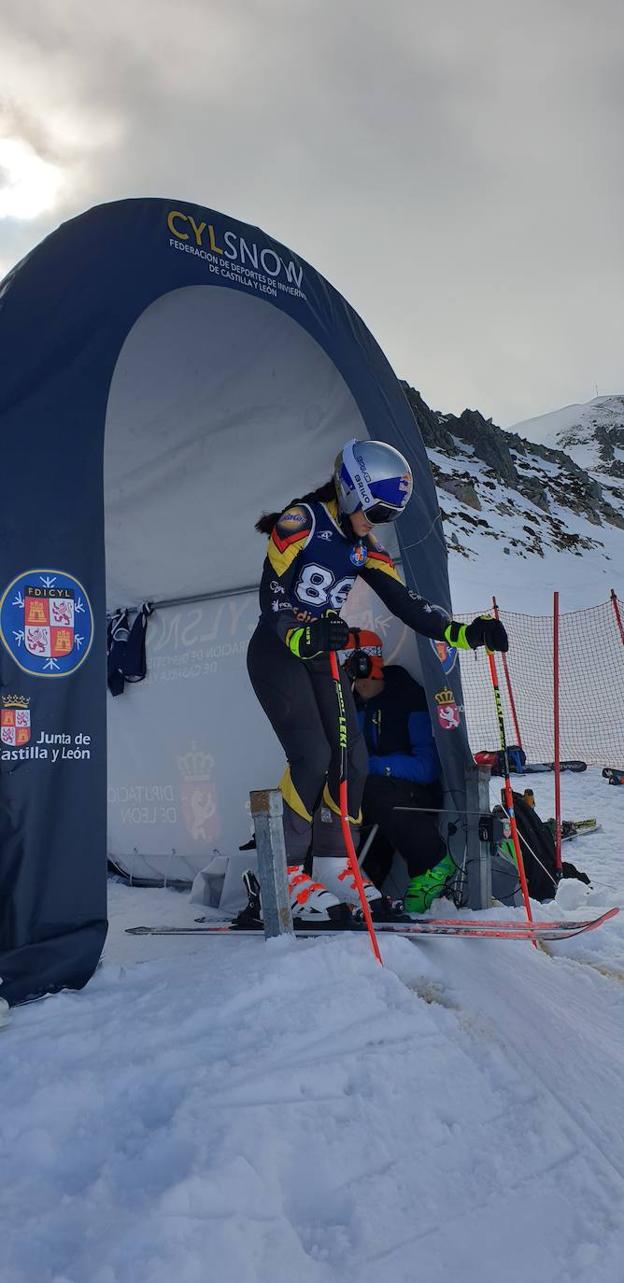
[
  {"x": 311, "y": 903},
  {"x": 337, "y": 876},
  {"x": 427, "y": 887}
]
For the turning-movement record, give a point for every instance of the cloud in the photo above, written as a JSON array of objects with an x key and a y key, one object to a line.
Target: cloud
[{"x": 454, "y": 170}]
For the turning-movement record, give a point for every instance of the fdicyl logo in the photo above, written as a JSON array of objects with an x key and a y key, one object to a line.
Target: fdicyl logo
[{"x": 46, "y": 623}]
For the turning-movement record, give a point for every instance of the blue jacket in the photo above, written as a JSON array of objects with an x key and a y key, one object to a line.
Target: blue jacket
[{"x": 397, "y": 730}]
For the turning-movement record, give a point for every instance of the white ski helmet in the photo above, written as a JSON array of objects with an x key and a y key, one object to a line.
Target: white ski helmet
[{"x": 373, "y": 478}]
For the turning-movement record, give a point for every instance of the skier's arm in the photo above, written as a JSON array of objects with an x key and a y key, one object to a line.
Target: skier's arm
[
  {"x": 288, "y": 538},
  {"x": 483, "y": 631},
  {"x": 381, "y": 573}
]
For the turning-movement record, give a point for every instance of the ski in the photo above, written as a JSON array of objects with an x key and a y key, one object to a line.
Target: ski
[
  {"x": 494, "y": 929},
  {"x": 586, "y": 826},
  {"x": 574, "y": 828},
  {"x": 533, "y": 768}
]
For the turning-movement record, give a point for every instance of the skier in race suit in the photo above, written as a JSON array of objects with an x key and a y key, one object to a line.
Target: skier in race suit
[{"x": 317, "y": 548}]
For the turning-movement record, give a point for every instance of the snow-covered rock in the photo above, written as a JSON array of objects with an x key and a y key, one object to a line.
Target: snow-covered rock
[
  {"x": 533, "y": 508},
  {"x": 591, "y": 434}
]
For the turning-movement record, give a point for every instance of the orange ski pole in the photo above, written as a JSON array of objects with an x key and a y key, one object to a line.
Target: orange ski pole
[{"x": 344, "y": 807}]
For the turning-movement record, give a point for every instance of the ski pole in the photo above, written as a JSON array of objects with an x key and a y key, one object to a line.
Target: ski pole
[
  {"x": 344, "y": 811},
  {"x": 508, "y": 790},
  {"x": 367, "y": 845},
  {"x": 512, "y": 702}
]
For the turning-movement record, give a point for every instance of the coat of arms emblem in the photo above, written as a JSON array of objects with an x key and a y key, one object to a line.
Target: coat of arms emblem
[
  {"x": 46, "y": 623},
  {"x": 48, "y": 620},
  {"x": 198, "y": 794},
  {"x": 446, "y": 654},
  {"x": 449, "y": 712},
  {"x": 14, "y": 720}
]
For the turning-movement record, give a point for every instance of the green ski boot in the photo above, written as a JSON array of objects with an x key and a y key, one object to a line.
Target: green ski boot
[{"x": 426, "y": 888}]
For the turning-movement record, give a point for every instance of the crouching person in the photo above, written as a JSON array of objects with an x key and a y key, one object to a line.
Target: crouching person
[{"x": 404, "y": 771}]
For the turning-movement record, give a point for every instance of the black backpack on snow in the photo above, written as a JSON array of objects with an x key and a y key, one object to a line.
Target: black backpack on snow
[{"x": 537, "y": 845}]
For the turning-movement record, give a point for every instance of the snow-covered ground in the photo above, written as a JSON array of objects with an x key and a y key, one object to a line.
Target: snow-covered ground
[
  {"x": 220, "y": 1109},
  {"x": 526, "y": 584}
]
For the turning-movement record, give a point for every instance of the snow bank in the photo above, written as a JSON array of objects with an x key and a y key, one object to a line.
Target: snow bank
[{"x": 220, "y": 1109}]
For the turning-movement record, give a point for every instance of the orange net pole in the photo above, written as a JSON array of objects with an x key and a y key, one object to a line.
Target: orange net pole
[{"x": 616, "y": 612}]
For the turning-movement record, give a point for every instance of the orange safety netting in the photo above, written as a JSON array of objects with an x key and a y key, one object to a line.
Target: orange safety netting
[{"x": 591, "y": 686}]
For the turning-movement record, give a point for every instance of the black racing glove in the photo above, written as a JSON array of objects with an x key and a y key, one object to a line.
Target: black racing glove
[
  {"x": 483, "y": 631},
  {"x": 322, "y": 635}
]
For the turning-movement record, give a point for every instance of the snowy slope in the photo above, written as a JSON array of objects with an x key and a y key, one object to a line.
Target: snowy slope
[
  {"x": 591, "y": 434},
  {"x": 223, "y": 1109},
  {"x": 530, "y": 509},
  {"x": 511, "y": 548},
  {"x": 573, "y": 428}
]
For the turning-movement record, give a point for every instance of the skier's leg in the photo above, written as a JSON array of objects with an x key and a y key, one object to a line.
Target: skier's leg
[
  {"x": 357, "y": 757},
  {"x": 285, "y": 690},
  {"x": 331, "y": 864},
  {"x": 378, "y": 859},
  {"x": 377, "y": 804},
  {"x": 413, "y": 833},
  {"x": 283, "y": 687}
]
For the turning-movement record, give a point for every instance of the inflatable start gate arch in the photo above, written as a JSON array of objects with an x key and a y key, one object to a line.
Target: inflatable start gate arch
[{"x": 167, "y": 374}]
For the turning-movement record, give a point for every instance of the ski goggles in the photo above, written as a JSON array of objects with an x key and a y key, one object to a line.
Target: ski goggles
[{"x": 380, "y": 513}]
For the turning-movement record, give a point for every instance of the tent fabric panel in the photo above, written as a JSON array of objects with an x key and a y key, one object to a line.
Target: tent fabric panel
[
  {"x": 65, "y": 313},
  {"x": 220, "y": 407}
]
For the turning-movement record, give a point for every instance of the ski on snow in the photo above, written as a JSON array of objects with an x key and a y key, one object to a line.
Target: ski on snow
[
  {"x": 484, "y": 929},
  {"x": 575, "y": 828},
  {"x": 537, "y": 768},
  {"x": 589, "y": 825}
]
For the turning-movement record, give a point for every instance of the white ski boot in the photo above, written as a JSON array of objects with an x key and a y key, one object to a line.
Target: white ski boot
[
  {"x": 337, "y": 876},
  {"x": 310, "y": 902}
]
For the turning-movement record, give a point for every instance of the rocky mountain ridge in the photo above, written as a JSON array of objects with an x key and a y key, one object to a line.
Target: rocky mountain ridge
[{"x": 500, "y": 484}]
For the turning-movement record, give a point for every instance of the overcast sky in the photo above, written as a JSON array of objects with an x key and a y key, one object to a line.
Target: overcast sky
[{"x": 455, "y": 169}]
